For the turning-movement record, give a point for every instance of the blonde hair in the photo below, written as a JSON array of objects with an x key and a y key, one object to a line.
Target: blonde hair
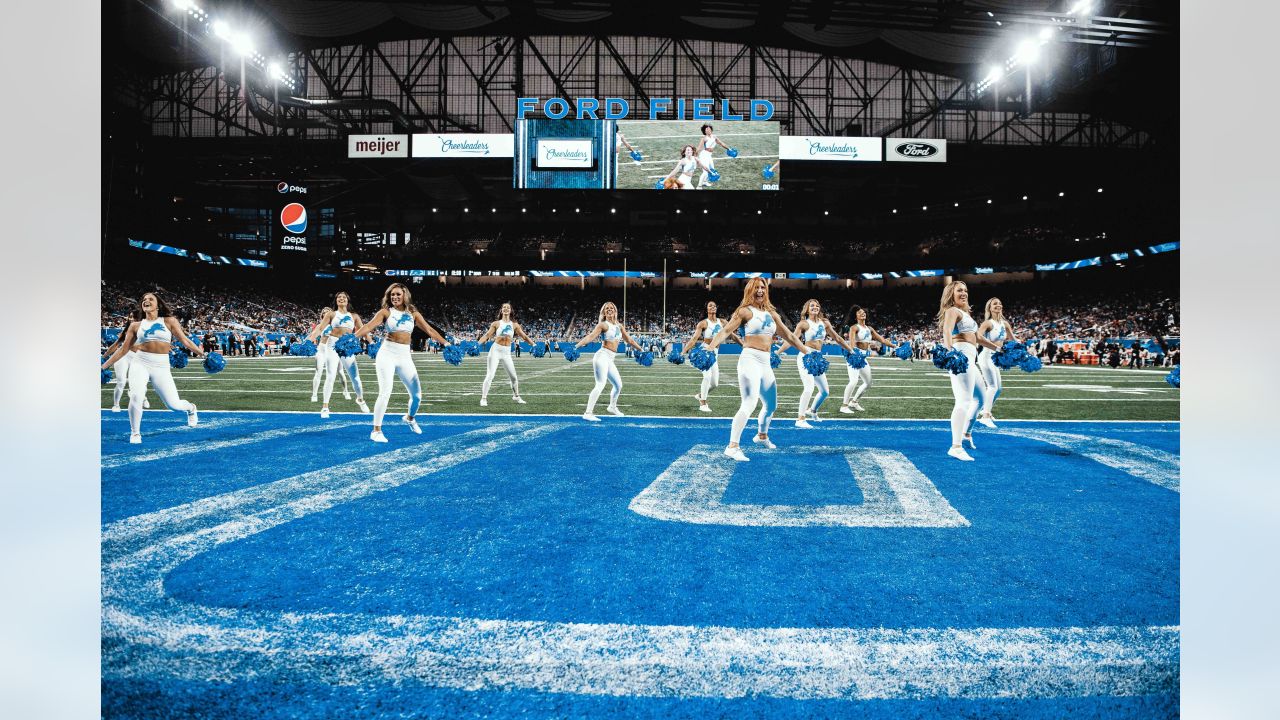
[
  {"x": 948, "y": 301},
  {"x": 602, "y": 307},
  {"x": 804, "y": 309},
  {"x": 748, "y": 294},
  {"x": 408, "y": 297},
  {"x": 986, "y": 310}
]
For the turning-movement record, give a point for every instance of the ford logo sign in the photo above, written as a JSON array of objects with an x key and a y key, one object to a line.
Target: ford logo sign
[{"x": 916, "y": 149}]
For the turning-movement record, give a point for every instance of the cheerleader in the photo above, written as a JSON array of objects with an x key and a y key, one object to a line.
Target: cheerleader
[
  {"x": 504, "y": 332},
  {"x": 322, "y": 355},
  {"x": 860, "y": 335},
  {"x": 813, "y": 329},
  {"x": 621, "y": 141},
  {"x": 122, "y": 365},
  {"x": 336, "y": 323},
  {"x": 756, "y": 382},
  {"x": 394, "y": 358},
  {"x": 959, "y": 331},
  {"x": 610, "y": 333},
  {"x": 706, "y": 144},
  {"x": 706, "y": 330},
  {"x": 998, "y": 330},
  {"x": 685, "y": 166},
  {"x": 152, "y": 339}
]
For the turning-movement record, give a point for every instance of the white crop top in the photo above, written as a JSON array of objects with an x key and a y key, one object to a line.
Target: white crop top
[
  {"x": 815, "y": 331},
  {"x": 761, "y": 323},
  {"x": 399, "y": 321},
  {"x": 153, "y": 331},
  {"x": 964, "y": 325},
  {"x": 505, "y": 328},
  {"x": 342, "y": 320},
  {"x": 709, "y": 142},
  {"x": 711, "y": 330},
  {"x": 612, "y": 333},
  {"x": 863, "y": 334},
  {"x": 687, "y": 166},
  {"x": 996, "y": 332}
]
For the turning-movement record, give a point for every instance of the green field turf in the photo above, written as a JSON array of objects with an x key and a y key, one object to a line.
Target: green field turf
[
  {"x": 553, "y": 386},
  {"x": 660, "y": 144}
]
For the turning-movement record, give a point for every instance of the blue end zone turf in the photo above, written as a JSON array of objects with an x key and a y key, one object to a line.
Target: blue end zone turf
[{"x": 547, "y": 566}]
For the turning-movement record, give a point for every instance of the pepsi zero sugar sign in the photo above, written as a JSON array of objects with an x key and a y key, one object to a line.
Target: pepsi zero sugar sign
[
  {"x": 915, "y": 150},
  {"x": 293, "y": 218}
]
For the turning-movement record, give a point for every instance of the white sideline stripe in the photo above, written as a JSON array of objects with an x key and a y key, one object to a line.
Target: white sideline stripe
[
  {"x": 1155, "y": 466},
  {"x": 147, "y": 635},
  {"x": 445, "y": 396},
  {"x": 895, "y": 493},
  {"x": 121, "y": 459},
  {"x": 215, "y": 424}
]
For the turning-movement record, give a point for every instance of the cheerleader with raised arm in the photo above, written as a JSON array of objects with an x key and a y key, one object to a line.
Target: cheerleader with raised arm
[
  {"x": 685, "y": 167},
  {"x": 703, "y": 333},
  {"x": 756, "y": 382},
  {"x": 610, "y": 332},
  {"x": 336, "y": 323},
  {"x": 394, "y": 358},
  {"x": 814, "y": 328},
  {"x": 860, "y": 335},
  {"x": 504, "y": 331},
  {"x": 322, "y": 357},
  {"x": 706, "y": 144},
  {"x": 998, "y": 330},
  {"x": 959, "y": 331},
  {"x": 152, "y": 338},
  {"x": 122, "y": 365}
]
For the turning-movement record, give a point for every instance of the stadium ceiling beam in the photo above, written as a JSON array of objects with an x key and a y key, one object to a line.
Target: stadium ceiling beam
[
  {"x": 483, "y": 85},
  {"x": 794, "y": 96}
]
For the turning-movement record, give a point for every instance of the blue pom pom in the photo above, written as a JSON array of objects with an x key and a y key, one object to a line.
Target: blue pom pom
[
  {"x": 214, "y": 362},
  {"x": 540, "y": 350},
  {"x": 452, "y": 354},
  {"x": 713, "y": 175},
  {"x": 373, "y": 349},
  {"x": 1174, "y": 377},
  {"x": 471, "y": 348},
  {"x": 635, "y": 155},
  {"x": 857, "y": 358},
  {"x": 767, "y": 173},
  {"x": 775, "y": 360},
  {"x": 347, "y": 346},
  {"x": 816, "y": 363},
  {"x": 675, "y": 358},
  {"x": 657, "y": 185},
  {"x": 884, "y": 350},
  {"x": 903, "y": 351},
  {"x": 107, "y": 375},
  {"x": 956, "y": 362},
  {"x": 702, "y": 358},
  {"x": 1009, "y": 355},
  {"x": 571, "y": 354},
  {"x": 645, "y": 359},
  {"x": 177, "y": 358},
  {"x": 1030, "y": 363},
  {"x": 304, "y": 348},
  {"x": 939, "y": 355},
  {"x": 732, "y": 152}
]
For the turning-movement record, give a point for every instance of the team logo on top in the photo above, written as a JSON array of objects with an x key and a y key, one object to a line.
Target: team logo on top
[
  {"x": 767, "y": 322},
  {"x": 152, "y": 330},
  {"x": 294, "y": 218},
  {"x": 405, "y": 318}
]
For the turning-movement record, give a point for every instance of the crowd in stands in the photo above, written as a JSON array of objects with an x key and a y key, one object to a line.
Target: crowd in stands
[{"x": 246, "y": 318}]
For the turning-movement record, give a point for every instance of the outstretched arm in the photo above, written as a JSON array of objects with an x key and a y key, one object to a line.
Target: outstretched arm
[
  {"x": 697, "y": 330},
  {"x": 487, "y": 333},
  {"x": 324, "y": 323},
  {"x": 878, "y": 337},
  {"x": 176, "y": 328},
  {"x": 378, "y": 318},
  {"x": 591, "y": 336},
  {"x": 839, "y": 340},
  {"x": 627, "y": 338},
  {"x": 728, "y": 329},
  {"x": 790, "y": 337},
  {"x": 520, "y": 333},
  {"x": 125, "y": 345},
  {"x": 430, "y": 331}
]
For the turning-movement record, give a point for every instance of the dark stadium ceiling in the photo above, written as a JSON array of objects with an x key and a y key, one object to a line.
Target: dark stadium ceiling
[{"x": 952, "y": 37}]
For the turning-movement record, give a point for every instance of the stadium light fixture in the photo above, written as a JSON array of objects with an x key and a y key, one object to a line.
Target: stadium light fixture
[
  {"x": 221, "y": 29},
  {"x": 466, "y": 210},
  {"x": 924, "y": 207},
  {"x": 182, "y": 5},
  {"x": 1099, "y": 189},
  {"x": 613, "y": 211},
  {"x": 577, "y": 210},
  {"x": 493, "y": 210},
  {"x": 523, "y": 210},
  {"x": 895, "y": 211},
  {"x": 1028, "y": 53},
  {"x": 988, "y": 201},
  {"x": 677, "y": 211},
  {"x": 1082, "y": 8},
  {"x": 704, "y": 211},
  {"x": 1046, "y": 34},
  {"x": 1061, "y": 194},
  {"x": 433, "y": 209},
  {"x": 759, "y": 212},
  {"x": 826, "y": 212},
  {"x": 1024, "y": 197},
  {"x": 241, "y": 44},
  {"x": 955, "y": 205}
]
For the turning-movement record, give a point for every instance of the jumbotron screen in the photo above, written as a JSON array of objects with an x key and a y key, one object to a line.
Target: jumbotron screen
[{"x": 646, "y": 154}]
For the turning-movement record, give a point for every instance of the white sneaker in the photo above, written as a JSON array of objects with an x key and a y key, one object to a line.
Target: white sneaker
[
  {"x": 115, "y": 408},
  {"x": 324, "y": 413},
  {"x": 519, "y": 400},
  {"x": 146, "y": 404},
  {"x": 857, "y": 406},
  {"x": 361, "y": 404},
  {"x": 346, "y": 394},
  {"x": 704, "y": 408},
  {"x": 589, "y": 416},
  {"x": 987, "y": 421},
  {"x": 135, "y": 438},
  {"x": 813, "y": 416},
  {"x": 970, "y": 441},
  {"x": 413, "y": 425},
  {"x": 484, "y": 402},
  {"x": 736, "y": 454},
  {"x": 765, "y": 442},
  {"x": 803, "y": 424},
  {"x": 377, "y": 436},
  {"x": 193, "y": 417},
  {"x": 615, "y": 411},
  {"x": 959, "y": 454},
  {"x": 846, "y": 409},
  {"x": 315, "y": 399}
]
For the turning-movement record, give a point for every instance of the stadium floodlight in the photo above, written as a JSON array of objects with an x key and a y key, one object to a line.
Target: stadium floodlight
[
  {"x": 955, "y": 205},
  {"x": 277, "y": 72},
  {"x": 1046, "y": 34},
  {"x": 761, "y": 212},
  {"x": 221, "y": 29},
  {"x": 988, "y": 201},
  {"x": 1024, "y": 197},
  {"x": 524, "y": 210},
  {"x": 466, "y": 210},
  {"x": 613, "y": 211},
  {"x": 924, "y": 207},
  {"x": 1061, "y": 194},
  {"x": 704, "y": 211},
  {"x": 990, "y": 14},
  {"x": 493, "y": 210},
  {"x": 577, "y": 210},
  {"x": 677, "y": 211},
  {"x": 241, "y": 44},
  {"x": 895, "y": 211},
  {"x": 1099, "y": 189},
  {"x": 433, "y": 209},
  {"x": 182, "y": 5},
  {"x": 1081, "y": 8},
  {"x": 1028, "y": 52},
  {"x": 826, "y": 212}
]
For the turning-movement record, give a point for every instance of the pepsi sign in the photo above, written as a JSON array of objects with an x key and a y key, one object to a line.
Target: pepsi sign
[
  {"x": 285, "y": 188},
  {"x": 294, "y": 218}
]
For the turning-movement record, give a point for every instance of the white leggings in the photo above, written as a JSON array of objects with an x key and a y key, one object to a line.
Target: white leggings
[
  {"x": 345, "y": 367},
  {"x": 605, "y": 371},
  {"x": 991, "y": 379},
  {"x": 809, "y": 382},
  {"x": 122, "y": 375},
  {"x": 755, "y": 383},
  {"x": 154, "y": 368},
  {"x": 710, "y": 380},
  {"x": 966, "y": 389},
  {"x": 395, "y": 359},
  {"x": 500, "y": 354},
  {"x": 853, "y": 390},
  {"x": 325, "y": 362}
]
